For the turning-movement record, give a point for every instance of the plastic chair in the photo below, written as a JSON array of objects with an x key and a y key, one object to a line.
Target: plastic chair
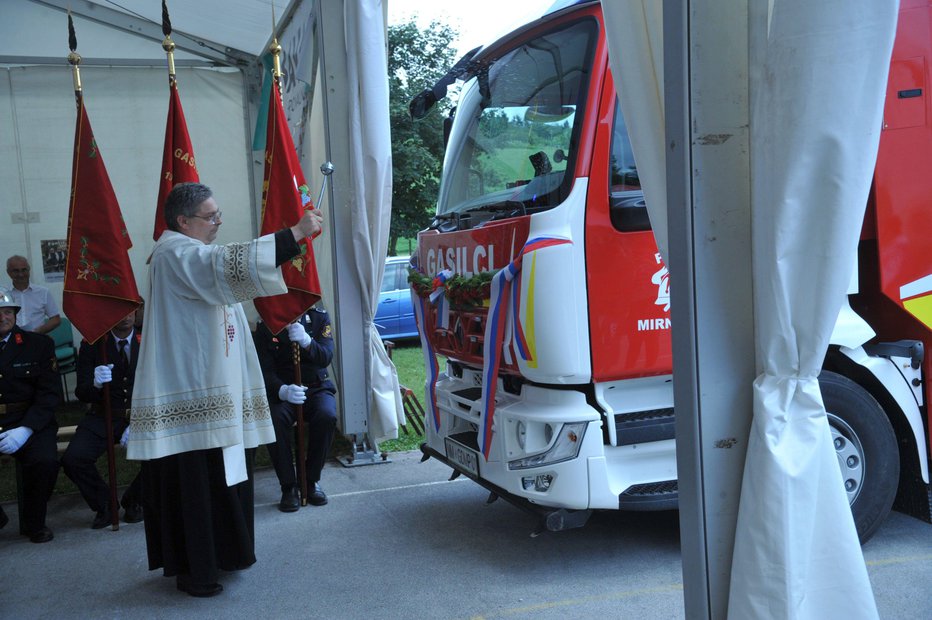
[{"x": 65, "y": 352}]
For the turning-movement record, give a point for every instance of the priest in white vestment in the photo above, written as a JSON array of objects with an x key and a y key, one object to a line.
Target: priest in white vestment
[{"x": 199, "y": 407}]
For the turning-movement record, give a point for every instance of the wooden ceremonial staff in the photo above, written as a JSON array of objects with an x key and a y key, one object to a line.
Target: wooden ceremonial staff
[
  {"x": 75, "y": 59},
  {"x": 111, "y": 452},
  {"x": 299, "y": 413}
]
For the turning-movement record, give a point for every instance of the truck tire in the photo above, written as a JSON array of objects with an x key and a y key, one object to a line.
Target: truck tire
[{"x": 867, "y": 451}]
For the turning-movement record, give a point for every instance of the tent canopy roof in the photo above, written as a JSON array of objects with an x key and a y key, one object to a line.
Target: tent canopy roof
[{"x": 222, "y": 31}]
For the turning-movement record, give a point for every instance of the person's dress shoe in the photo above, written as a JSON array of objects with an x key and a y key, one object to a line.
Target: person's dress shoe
[
  {"x": 202, "y": 590},
  {"x": 316, "y": 495},
  {"x": 132, "y": 513},
  {"x": 290, "y": 500},
  {"x": 41, "y": 535},
  {"x": 3, "y": 518},
  {"x": 101, "y": 521}
]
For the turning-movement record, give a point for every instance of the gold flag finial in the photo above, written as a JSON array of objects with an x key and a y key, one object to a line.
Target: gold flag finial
[
  {"x": 74, "y": 58},
  {"x": 169, "y": 46},
  {"x": 275, "y": 49}
]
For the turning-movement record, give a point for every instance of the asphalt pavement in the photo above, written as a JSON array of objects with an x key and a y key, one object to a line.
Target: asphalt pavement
[{"x": 398, "y": 540}]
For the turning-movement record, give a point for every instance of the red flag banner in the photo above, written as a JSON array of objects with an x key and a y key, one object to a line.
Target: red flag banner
[
  {"x": 99, "y": 285},
  {"x": 178, "y": 164},
  {"x": 285, "y": 196}
]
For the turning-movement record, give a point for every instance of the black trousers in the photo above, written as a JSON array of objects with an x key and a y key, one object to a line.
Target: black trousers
[
  {"x": 320, "y": 420},
  {"x": 38, "y": 459},
  {"x": 195, "y": 524},
  {"x": 80, "y": 463}
]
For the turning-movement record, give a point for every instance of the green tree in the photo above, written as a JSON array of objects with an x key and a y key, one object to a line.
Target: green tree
[{"x": 416, "y": 60}]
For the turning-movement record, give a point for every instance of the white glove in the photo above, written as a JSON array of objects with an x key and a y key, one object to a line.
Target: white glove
[
  {"x": 102, "y": 374},
  {"x": 297, "y": 333},
  {"x": 125, "y": 437},
  {"x": 294, "y": 394},
  {"x": 13, "y": 439}
]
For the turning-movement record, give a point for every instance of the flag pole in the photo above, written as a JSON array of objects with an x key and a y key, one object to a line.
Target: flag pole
[
  {"x": 74, "y": 59},
  {"x": 276, "y": 50}
]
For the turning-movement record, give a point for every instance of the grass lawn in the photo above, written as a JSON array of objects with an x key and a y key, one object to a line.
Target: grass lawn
[
  {"x": 406, "y": 356},
  {"x": 405, "y": 246},
  {"x": 409, "y": 361}
]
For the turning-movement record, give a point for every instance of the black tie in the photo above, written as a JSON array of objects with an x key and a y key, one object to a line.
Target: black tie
[
  {"x": 124, "y": 359},
  {"x": 2, "y": 345}
]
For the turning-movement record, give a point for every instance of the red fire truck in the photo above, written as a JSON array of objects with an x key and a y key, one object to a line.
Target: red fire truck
[{"x": 540, "y": 283}]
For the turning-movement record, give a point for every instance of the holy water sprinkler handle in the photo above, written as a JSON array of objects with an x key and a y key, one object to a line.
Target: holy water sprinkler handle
[{"x": 326, "y": 169}]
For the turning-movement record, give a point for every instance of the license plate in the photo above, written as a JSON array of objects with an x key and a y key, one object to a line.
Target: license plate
[{"x": 463, "y": 457}]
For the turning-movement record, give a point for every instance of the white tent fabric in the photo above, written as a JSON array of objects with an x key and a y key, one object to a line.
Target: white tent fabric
[
  {"x": 818, "y": 74},
  {"x": 635, "y": 28},
  {"x": 125, "y": 82},
  {"x": 371, "y": 186},
  {"x": 126, "y": 107},
  {"x": 818, "y": 79}
]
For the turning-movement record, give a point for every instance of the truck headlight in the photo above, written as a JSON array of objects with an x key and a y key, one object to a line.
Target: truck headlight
[{"x": 566, "y": 447}]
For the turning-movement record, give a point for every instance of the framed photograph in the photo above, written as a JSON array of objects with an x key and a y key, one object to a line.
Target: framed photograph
[{"x": 54, "y": 252}]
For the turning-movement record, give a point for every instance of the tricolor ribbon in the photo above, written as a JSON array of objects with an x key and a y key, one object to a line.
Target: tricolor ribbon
[
  {"x": 427, "y": 350},
  {"x": 503, "y": 287},
  {"x": 438, "y": 297}
]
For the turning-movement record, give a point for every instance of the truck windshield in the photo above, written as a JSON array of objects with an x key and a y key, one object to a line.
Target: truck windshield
[{"x": 516, "y": 126}]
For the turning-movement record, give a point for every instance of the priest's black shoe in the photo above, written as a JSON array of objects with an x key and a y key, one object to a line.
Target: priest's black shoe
[
  {"x": 101, "y": 521},
  {"x": 132, "y": 513},
  {"x": 316, "y": 495},
  {"x": 3, "y": 518},
  {"x": 290, "y": 500},
  {"x": 202, "y": 590},
  {"x": 41, "y": 535}
]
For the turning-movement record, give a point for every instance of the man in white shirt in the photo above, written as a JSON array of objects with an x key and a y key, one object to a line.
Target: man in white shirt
[{"x": 38, "y": 310}]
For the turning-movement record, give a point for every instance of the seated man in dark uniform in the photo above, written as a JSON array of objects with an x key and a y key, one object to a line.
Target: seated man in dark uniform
[
  {"x": 313, "y": 334},
  {"x": 90, "y": 438},
  {"x": 29, "y": 392}
]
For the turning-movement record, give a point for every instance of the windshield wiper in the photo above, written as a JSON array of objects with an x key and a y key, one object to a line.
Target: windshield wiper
[
  {"x": 497, "y": 207},
  {"x": 441, "y": 221},
  {"x": 455, "y": 220}
]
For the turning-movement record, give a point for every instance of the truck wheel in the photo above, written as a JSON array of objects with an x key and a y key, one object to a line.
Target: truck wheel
[{"x": 866, "y": 448}]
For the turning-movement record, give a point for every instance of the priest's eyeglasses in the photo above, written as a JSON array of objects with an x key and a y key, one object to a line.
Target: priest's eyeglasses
[{"x": 213, "y": 218}]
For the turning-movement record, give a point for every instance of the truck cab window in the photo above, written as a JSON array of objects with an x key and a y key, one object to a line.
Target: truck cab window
[
  {"x": 626, "y": 200},
  {"x": 514, "y": 137}
]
